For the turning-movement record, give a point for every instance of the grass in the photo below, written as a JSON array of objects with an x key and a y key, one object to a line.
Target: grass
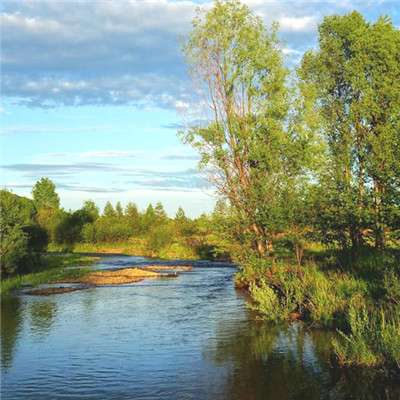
[
  {"x": 138, "y": 247},
  {"x": 373, "y": 339},
  {"x": 49, "y": 269},
  {"x": 357, "y": 294}
]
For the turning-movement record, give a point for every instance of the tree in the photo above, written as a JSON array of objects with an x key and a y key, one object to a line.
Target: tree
[
  {"x": 131, "y": 212},
  {"x": 44, "y": 194},
  {"x": 355, "y": 74},
  {"x": 132, "y": 217},
  {"x": 180, "y": 216},
  {"x": 20, "y": 234},
  {"x": 159, "y": 212},
  {"x": 109, "y": 211},
  {"x": 119, "y": 211},
  {"x": 89, "y": 207},
  {"x": 248, "y": 145},
  {"x": 148, "y": 218}
]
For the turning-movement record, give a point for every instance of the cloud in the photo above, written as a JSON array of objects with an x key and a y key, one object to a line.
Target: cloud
[
  {"x": 71, "y": 187},
  {"x": 144, "y": 177},
  {"x": 298, "y": 24},
  {"x": 83, "y": 53},
  {"x": 166, "y": 154},
  {"x": 3, "y": 111},
  {"x": 52, "y": 169},
  {"x": 99, "y": 154},
  {"x": 23, "y": 129},
  {"x": 126, "y": 52}
]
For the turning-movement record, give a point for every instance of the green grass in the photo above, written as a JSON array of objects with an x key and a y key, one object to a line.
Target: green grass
[
  {"x": 357, "y": 294},
  {"x": 373, "y": 339},
  {"x": 137, "y": 247},
  {"x": 50, "y": 268}
]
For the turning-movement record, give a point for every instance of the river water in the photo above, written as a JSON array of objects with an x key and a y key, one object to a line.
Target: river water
[{"x": 189, "y": 337}]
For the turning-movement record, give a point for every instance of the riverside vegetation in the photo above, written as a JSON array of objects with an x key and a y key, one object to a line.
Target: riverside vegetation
[{"x": 307, "y": 167}]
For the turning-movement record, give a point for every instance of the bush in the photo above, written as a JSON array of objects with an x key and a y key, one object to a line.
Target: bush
[
  {"x": 272, "y": 307},
  {"x": 159, "y": 236},
  {"x": 374, "y": 337}
]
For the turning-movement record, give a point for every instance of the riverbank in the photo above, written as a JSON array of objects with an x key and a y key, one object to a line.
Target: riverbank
[
  {"x": 50, "y": 268},
  {"x": 55, "y": 269},
  {"x": 357, "y": 295},
  {"x": 138, "y": 248}
]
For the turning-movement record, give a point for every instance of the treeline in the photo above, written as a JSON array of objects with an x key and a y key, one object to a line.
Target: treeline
[
  {"x": 147, "y": 232},
  {"x": 32, "y": 226},
  {"x": 308, "y": 164}
]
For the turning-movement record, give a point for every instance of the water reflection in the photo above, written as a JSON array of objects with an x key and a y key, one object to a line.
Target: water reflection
[
  {"x": 10, "y": 328},
  {"x": 291, "y": 362},
  {"x": 42, "y": 316}
]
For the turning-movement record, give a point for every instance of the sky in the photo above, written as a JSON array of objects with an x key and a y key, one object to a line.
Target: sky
[{"x": 94, "y": 92}]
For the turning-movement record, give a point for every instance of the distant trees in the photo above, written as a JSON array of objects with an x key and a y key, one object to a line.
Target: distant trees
[{"x": 29, "y": 225}]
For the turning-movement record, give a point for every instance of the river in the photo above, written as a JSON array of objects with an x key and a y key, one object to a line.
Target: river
[{"x": 189, "y": 337}]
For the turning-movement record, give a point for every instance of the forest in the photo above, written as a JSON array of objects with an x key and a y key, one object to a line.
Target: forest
[{"x": 306, "y": 163}]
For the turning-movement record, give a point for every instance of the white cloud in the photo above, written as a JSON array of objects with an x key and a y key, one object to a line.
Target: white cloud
[
  {"x": 126, "y": 52},
  {"x": 298, "y": 24},
  {"x": 3, "y": 111}
]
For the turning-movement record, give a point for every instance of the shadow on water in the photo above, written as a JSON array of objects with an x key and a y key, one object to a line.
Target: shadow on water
[
  {"x": 11, "y": 320},
  {"x": 291, "y": 362}
]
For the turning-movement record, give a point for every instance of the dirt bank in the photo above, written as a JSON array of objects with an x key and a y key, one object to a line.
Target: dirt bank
[
  {"x": 163, "y": 267},
  {"x": 48, "y": 291},
  {"x": 118, "y": 277}
]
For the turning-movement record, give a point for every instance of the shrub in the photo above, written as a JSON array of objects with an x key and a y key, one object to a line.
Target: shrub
[{"x": 269, "y": 305}]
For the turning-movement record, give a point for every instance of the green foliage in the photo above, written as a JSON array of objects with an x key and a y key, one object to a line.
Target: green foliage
[
  {"x": 374, "y": 337},
  {"x": 272, "y": 307},
  {"x": 252, "y": 144},
  {"x": 159, "y": 237},
  {"x": 323, "y": 298},
  {"x": 391, "y": 283},
  {"x": 109, "y": 211},
  {"x": 44, "y": 194},
  {"x": 159, "y": 213},
  {"x": 90, "y": 208},
  {"x": 118, "y": 210},
  {"x": 49, "y": 269},
  {"x": 20, "y": 234},
  {"x": 354, "y": 78},
  {"x": 14, "y": 248}
]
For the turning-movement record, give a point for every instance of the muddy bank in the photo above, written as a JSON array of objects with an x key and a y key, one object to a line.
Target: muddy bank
[
  {"x": 48, "y": 291},
  {"x": 163, "y": 267}
]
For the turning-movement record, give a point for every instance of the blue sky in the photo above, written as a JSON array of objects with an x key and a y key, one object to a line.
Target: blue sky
[{"x": 93, "y": 93}]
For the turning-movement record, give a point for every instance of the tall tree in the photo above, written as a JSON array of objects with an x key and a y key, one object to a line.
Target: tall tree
[
  {"x": 355, "y": 72},
  {"x": 245, "y": 145},
  {"x": 44, "y": 194},
  {"x": 159, "y": 212},
  {"x": 119, "y": 210},
  {"x": 109, "y": 211}
]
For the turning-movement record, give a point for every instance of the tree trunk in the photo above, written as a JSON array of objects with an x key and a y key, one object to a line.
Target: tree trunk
[{"x": 379, "y": 238}]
